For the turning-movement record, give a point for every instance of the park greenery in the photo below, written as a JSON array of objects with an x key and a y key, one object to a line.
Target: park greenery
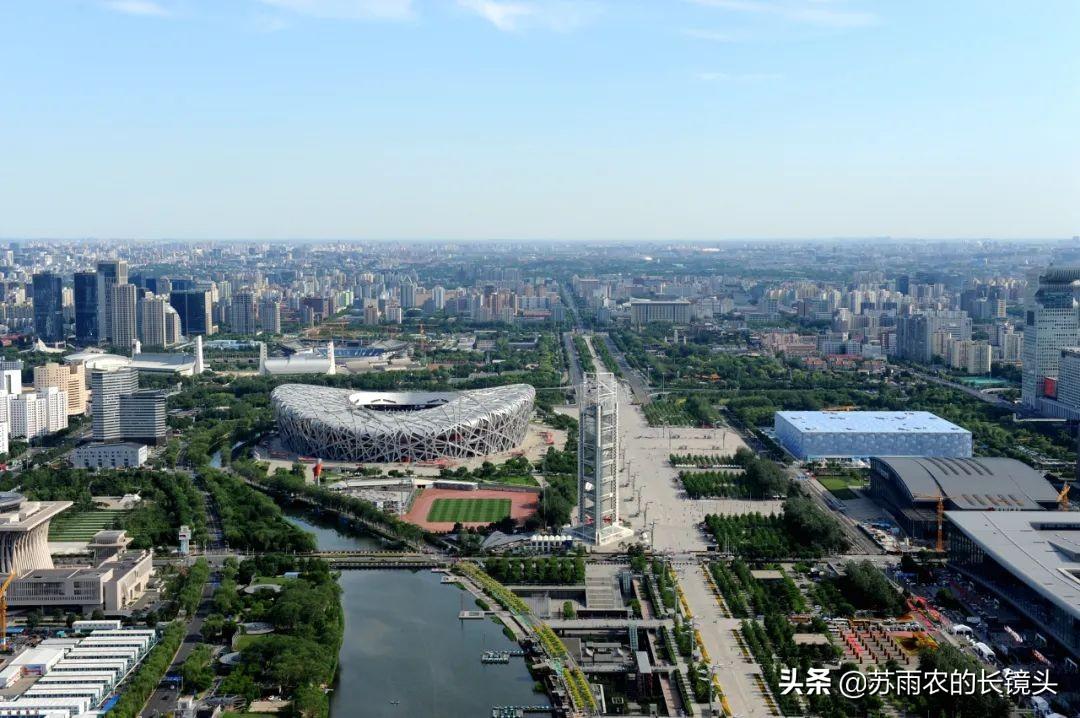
[
  {"x": 862, "y": 587},
  {"x": 802, "y": 531},
  {"x": 250, "y": 520},
  {"x": 168, "y": 499},
  {"x": 300, "y": 657},
  {"x": 950, "y": 660},
  {"x": 757, "y": 478},
  {"x": 292, "y": 484}
]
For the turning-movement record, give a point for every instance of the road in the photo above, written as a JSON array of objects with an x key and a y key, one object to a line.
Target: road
[
  {"x": 736, "y": 675},
  {"x": 632, "y": 376},
  {"x": 163, "y": 701},
  {"x": 992, "y": 399}
]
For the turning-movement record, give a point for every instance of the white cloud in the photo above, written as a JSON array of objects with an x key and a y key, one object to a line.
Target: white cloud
[
  {"x": 146, "y": 8},
  {"x": 348, "y": 9},
  {"x": 513, "y": 15},
  {"x": 739, "y": 76},
  {"x": 810, "y": 12}
]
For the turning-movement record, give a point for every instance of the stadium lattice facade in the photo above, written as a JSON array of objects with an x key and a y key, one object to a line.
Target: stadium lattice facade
[{"x": 346, "y": 425}]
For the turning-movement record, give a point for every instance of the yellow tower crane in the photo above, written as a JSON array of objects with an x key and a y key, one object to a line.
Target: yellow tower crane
[
  {"x": 940, "y": 498},
  {"x": 3, "y": 610}
]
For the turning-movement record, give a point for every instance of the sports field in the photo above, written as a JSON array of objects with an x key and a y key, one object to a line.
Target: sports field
[
  {"x": 439, "y": 509},
  {"x": 468, "y": 510}
]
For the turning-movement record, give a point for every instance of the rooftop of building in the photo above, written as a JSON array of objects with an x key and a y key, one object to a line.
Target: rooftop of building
[
  {"x": 134, "y": 445},
  {"x": 869, "y": 422},
  {"x": 1041, "y": 548},
  {"x": 975, "y": 483},
  {"x": 162, "y": 362},
  {"x": 305, "y": 363},
  {"x": 26, "y": 515}
]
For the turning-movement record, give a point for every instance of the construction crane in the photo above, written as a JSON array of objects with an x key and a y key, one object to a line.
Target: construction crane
[
  {"x": 3, "y": 610},
  {"x": 940, "y": 498}
]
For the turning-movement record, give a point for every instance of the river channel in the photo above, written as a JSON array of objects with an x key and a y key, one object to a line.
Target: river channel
[{"x": 406, "y": 653}]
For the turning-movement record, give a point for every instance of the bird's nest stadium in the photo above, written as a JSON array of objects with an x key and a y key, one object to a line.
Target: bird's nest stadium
[{"x": 347, "y": 425}]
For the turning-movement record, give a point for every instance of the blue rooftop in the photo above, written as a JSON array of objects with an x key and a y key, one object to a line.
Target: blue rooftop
[{"x": 865, "y": 422}]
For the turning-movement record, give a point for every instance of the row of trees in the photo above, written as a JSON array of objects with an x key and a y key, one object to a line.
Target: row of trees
[
  {"x": 606, "y": 357},
  {"x": 250, "y": 519},
  {"x": 584, "y": 355},
  {"x": 140, "y": 687},
  {"x": 550, "y": 570}
]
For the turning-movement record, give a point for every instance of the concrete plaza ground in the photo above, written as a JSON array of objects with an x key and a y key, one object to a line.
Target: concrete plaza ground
[{"x": 663, "y": 500}]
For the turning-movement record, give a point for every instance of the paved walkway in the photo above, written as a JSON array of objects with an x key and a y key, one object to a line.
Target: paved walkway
[{"x": 736, "y": 675}]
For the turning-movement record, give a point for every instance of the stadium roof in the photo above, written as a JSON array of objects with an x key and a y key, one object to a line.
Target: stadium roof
[
  {"x": 869, "y": 422},
  {"x": 1041, "y": 548},
  {"x": 366, "y": 411},
  {"x": 973, "y": 484}
]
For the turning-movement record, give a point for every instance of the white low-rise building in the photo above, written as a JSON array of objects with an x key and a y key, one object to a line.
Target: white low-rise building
[{"x": 123, "y": 455}]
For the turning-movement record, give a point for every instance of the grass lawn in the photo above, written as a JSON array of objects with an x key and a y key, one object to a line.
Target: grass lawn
[
  {"x": 82, "y": 525},
  {"x": 245, "y": 640},
  {"x": 840, "y": 487},
  {"x": 512, "y": 480},
  {"x": 469, "y": 510},
  {"x": 276, "y": 580}
]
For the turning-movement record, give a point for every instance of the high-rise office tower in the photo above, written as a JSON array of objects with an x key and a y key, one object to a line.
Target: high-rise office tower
[
  {"x": 152, "y": 323},
  {"x": 123, "y": 320},
  {"x": 107, "y": 386},
  {"x": 243, "y": 314},
  {"x": 86, "y": 318},
  {"x": 108, "y": 274},
  {"x": 122, "y": 411},
  {"x": 1051, "y": 323},
  {"x": 438, "y": 298},
  {"x": 49, "y": 307},
  {"x": 408, "y": 295},
  {"x": 142, "y": 416},
  {"x": 270, "y": 316},
  {"x": 173, "y": 331},
  {"x": 195, "y": 308},
  {"x": 159, "y": 285},
  {"x": 598, "y": 460}
]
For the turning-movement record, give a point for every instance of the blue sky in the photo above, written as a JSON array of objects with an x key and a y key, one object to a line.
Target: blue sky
[{"x": 592, "y": 119}]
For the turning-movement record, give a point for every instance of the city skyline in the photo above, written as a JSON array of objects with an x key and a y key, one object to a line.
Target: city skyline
[{"x": 477, "y": 119}]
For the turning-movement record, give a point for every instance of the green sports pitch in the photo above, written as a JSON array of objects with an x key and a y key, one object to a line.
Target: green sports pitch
[{"x": 468, "y": 510}]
